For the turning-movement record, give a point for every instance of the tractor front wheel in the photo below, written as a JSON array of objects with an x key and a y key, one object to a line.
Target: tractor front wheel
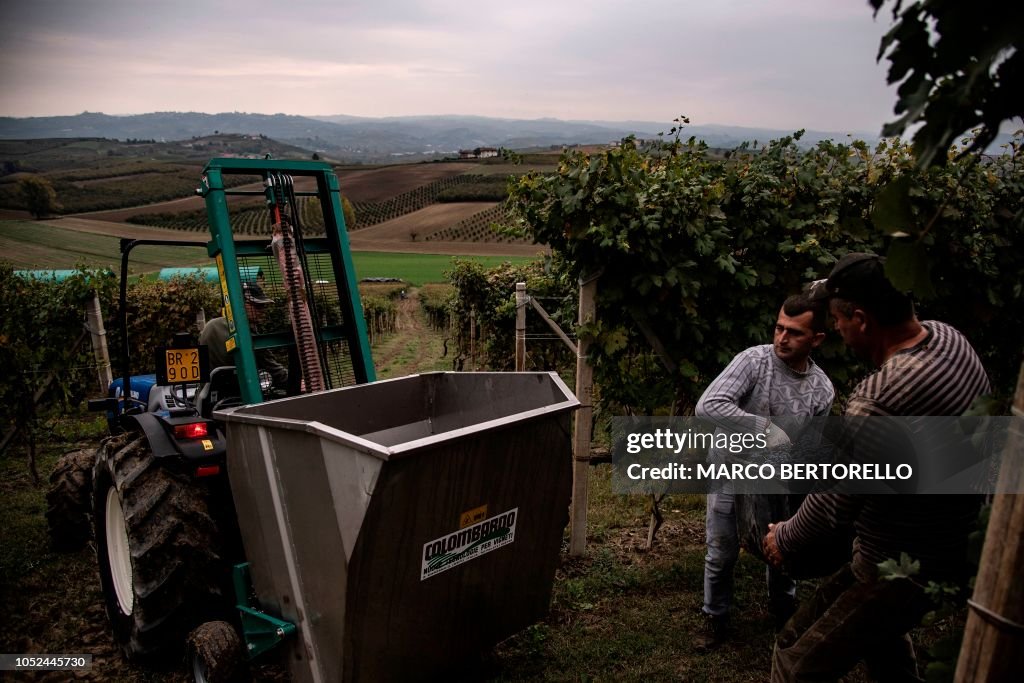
[
  {"x": 157, "y": 550},
  {"x": 215, "y": 653}
]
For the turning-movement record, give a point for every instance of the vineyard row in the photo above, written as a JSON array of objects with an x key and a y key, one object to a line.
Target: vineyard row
[
  {"x": 482, "y": 226},
  {"x": 372, "y": 213},
  {"x": 255, "y": 221}
]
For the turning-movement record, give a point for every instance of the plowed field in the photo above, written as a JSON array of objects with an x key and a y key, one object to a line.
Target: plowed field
[
  {"x": 427, "y": 220},
  {"x": 358, "y": 185},
  {"x": 378, "y": 184}
]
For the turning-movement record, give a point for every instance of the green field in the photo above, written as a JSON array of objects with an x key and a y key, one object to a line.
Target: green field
[
  {"x": 33, "y": 245},
  {"x": 418, "y": 269}
]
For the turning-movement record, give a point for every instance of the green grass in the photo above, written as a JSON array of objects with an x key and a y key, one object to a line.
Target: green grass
[
  {"x": 31, "y": 245},
  {"x": 418, "y": 269}
]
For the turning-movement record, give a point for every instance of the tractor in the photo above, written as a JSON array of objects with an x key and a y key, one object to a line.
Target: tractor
[
  {"x": 371, "y": 530},
  {"x": 155, "y": 495}
]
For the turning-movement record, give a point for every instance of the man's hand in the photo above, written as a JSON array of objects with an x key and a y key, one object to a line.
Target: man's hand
[{"x": 771, "y": 548}]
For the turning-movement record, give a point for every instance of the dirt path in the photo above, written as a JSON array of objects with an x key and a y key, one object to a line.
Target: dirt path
[{"x": 414, "y": 346}]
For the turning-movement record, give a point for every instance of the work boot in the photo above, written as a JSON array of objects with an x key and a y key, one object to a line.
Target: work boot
[{"x": 714, "y": 633}]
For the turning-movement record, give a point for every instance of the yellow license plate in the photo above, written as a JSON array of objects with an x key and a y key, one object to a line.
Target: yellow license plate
[{"x": 182, "y": 365}]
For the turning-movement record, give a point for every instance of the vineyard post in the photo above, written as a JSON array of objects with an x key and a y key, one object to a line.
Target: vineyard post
[
  {"x": 94, "y": 323},
  {"x": 472, "y": 339},
  {"x": 993, "y": 645},
  {"x": 520, "y": 326},
  {"x": 582, "y": 429}
]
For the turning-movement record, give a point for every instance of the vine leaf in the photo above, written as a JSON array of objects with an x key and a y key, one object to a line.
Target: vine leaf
[
  {"x": 892, "y": 212},
  {"x": 908, "y": 268},
  {"x": 904, "y": 569},
  {"x": 614, "y": 341},
  {"x": 958, "y": 65}
]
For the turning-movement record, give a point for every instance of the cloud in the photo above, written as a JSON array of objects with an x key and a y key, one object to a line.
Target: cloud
[{"x": 790, "y": 63}]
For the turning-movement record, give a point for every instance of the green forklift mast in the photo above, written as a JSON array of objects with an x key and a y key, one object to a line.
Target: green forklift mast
[{"x": 294, "y": 247}]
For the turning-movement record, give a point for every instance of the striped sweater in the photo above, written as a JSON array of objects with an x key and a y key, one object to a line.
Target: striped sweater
[{"x": 940, "y": 376}]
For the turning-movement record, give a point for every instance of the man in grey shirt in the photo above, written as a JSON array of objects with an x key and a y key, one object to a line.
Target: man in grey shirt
[{"x": 761, "y": 383}]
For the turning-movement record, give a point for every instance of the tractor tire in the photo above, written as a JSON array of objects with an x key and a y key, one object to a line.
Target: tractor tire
[
  {"x": 157, "y": 548},
  {"x": 215, "y": 654},
  {"x": 68, "y": 501}
]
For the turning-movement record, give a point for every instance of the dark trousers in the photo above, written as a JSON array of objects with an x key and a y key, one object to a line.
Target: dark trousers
[{"x": 846, "y": 621}]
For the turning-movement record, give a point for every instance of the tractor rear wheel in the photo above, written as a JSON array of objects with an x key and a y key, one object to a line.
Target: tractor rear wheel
[
  {"x": 157, "y": 550},
  {"x": 68, "y": 501}
]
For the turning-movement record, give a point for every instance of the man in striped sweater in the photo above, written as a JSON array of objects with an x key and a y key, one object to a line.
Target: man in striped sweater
[
  {"x": 760, "y": 385},
  {"x": 923, "y": 369}
]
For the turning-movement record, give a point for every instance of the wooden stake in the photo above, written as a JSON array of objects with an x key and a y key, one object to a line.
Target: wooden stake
[
  {"x": 993, "y": 645},
  {"x": 94, "y": 322},
  {"x": 582, "y": 430},
  {"x": 520, "y": 326},
  {"x": 472, "y": 339},
  {"x": 554, "y": 326}
]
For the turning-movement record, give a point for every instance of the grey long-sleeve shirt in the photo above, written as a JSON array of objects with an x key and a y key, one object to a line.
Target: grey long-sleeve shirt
[{"x": 757, "y": 385}]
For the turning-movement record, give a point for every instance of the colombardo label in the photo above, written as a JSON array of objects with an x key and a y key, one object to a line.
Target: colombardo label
[{"x": 469, "y": 543}]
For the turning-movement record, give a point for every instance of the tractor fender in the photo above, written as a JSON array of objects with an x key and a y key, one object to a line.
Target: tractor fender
[
  {"x": 163, "y": 444},
  {"x": 160, "y": 442}
]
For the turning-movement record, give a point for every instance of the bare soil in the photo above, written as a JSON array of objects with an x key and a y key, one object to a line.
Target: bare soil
[
  {"x": 195, "y": 203},
  {"x": 378, "y": 184},
  {"x": 392, "y": 240},
  {"x": 112, "y": 179},
  {"x": 358, "y": 185},
  {"x": 116, "y": 229},
  {"x": 375, "y": 184},
  {"x": 423, "y": 222}
]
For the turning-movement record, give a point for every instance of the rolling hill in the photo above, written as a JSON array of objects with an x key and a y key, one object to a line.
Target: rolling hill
[{"x": 357, "y": 139}]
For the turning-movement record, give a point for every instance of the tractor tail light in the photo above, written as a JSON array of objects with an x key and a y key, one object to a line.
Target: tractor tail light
[
  {"x": 208, "y": 471},
  {"x": 193, "y": 430}
]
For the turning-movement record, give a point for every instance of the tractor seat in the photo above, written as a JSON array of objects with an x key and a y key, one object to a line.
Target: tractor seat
[{"x": 222, "y": 391}]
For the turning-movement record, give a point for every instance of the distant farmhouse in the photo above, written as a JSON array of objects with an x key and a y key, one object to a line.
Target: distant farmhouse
[{"x": 478, "y": 153}]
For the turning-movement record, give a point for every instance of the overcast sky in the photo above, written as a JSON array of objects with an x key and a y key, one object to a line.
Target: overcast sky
[{"x": 766, "y": 63}]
